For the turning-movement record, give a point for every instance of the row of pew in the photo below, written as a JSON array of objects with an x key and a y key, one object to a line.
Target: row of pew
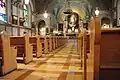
[
  {"x": 15, "y": 49},
  {"x": 100, "y": 52}
]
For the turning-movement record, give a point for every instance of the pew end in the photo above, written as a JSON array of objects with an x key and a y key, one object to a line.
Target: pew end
[
  {"x": 37, "y": 46},
  {"x": 8, "y": 55}
]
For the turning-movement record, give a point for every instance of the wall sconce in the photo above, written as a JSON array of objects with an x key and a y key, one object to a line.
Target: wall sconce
[
  {"x": 27, "y": 1},
  {"x": 97, "y": 11},
  {"x": 45, "y": 14}
]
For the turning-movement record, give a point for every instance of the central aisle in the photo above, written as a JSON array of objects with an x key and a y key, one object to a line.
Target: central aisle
[{"x": 61, "y": 64}]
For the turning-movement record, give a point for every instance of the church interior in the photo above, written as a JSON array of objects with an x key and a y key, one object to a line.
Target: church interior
[{"x": 59, "y": 39}]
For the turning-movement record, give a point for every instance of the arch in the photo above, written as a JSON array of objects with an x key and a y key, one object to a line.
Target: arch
[
  {"x": 105, "y": 22},
  {"x": 31, "y": 5},
  {"x": 79, "y": 11},
  {"x": 41, "y": 24}
]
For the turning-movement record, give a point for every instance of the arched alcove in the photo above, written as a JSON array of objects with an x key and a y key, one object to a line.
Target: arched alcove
[
  {"x": 105, "y": 22},
  {"x": 41, "y": 26}
]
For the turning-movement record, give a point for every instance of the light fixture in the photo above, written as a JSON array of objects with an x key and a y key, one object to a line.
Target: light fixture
[
  {"x": 45, "y": 14},
  {"x": 69, "y": 30},
  {"x": 27, "y": 1},
  {"x": 68, "y": 10},
  {"x": 55, "y": 32},
  {"x": 72, "y": 28},
  {"x": 76, "y": 30},
  {"x": 97, "y": 11}
]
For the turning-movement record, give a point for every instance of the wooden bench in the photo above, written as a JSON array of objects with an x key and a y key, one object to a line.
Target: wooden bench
[
  {"x": 104, "y": 61},
  {"x": 49, "y": 41},
  {"x": 24, "y": 49},
  {"x": 110, "y": 54},
  {"x": 60, "y": 41},
  {"x": 56, "y": 42},
  {"x": 53, "y": 43},
  {"x": 44, "y": 42},
  {"x": 8, "y": 54},
  {"x": 37, "y": 46}
]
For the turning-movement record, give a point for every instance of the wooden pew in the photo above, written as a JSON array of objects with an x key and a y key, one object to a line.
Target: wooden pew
[
  {"x": 104, "y": 53},
  {"x": 82, "y": 46},
  {"x": 8, "y": 54},
  {"x": 24, "y": 52},
  {"x": 110, "y": 54},
  {"x": 49, "y": 40},
  {"x": 61, "y": 41},
  {"x": 93, "y": 60},
  {"x": 53, "y": 42},
  {"x": 56, "y": 42},
  {"x": 44, "y": 42},
  {"x": 88, "y": 42},
  {"x": 37, "y": 46}
]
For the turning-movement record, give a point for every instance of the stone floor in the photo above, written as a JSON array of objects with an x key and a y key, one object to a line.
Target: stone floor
[{"x": 61, "y": 64}]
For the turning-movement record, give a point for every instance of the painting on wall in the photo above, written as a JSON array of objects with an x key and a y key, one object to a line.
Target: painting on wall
[{"x": 73, "y": 22}]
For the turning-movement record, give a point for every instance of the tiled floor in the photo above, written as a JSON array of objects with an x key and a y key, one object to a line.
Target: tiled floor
[{"x": 62, "y": 64}]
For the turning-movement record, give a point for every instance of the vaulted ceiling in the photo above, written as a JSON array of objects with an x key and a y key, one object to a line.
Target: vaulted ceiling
[
  {"x": 85, "y": 6},
  {"x": 41, "y": 5}
]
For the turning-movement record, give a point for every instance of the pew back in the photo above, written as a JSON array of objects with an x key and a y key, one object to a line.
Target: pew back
[
  {"x": 104, "y": 53},
  {"x": 23, "y": 47},
  {"x": 37, "y": 46},
  {"x": 110, "y": 54}
]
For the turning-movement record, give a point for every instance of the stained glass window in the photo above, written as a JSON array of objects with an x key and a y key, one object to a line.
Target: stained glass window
[
  {"x": 3, "y": 10},
  {"x": 26, "y": 16}
]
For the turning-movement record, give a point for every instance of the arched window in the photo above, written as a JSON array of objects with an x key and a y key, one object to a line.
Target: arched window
[
  {"x": 3, "y": 11},
  {"x": 26, "y": 23},
  {"x": 27, "y": 15}
]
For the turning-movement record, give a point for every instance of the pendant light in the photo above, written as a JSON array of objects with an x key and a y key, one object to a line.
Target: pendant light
[
  {"x": 27, "y": 1},
  {"x": 45, "y": 14},
  {"x": 97, "y": 11}
]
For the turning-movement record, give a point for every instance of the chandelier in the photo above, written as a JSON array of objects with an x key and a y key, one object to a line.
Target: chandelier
[{"x": 67, "y": 8}]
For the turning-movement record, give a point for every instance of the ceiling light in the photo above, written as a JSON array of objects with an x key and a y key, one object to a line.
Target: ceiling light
[
  {"x": 76, "y": 30},
  {"x": 97, "y": 11},
  {"x": 69, "y": 30},
  {"x": 27, "y": 1},
  {"x": 45, "y": 14}
]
